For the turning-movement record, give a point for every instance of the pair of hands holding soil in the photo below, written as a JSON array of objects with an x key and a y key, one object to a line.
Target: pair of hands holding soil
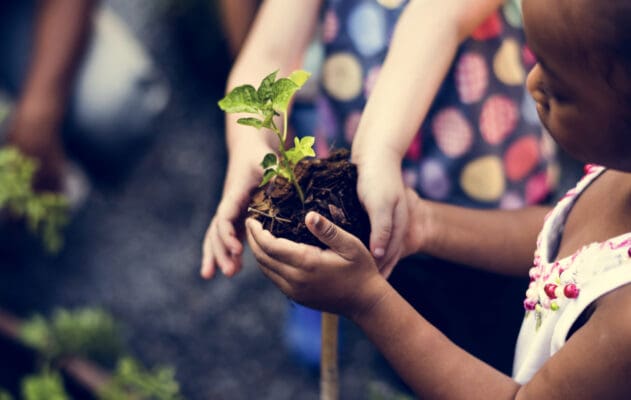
[
  {"x": 343, "y": 279},
  {"x": 304, "y": 272}
]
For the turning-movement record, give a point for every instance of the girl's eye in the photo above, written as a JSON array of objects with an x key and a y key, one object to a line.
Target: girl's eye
[
  {"x": 545, "y": 90},
  {"x": 551, "y": 95},
  {"x": 542, "y": 93}
]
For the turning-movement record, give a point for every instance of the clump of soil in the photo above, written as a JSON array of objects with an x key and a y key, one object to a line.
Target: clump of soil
[{"x": 329, "y": 187}]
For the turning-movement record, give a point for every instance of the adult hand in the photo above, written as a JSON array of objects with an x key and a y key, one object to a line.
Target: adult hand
[
  {"x": 343, "y": 279},
  {"x": 222, "y": 247},
  {"x": 381, "y": 191},
  {"x": 34, "y": 129}
]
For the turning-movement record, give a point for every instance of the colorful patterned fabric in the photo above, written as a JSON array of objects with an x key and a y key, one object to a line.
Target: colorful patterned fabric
[
  {"x": 481, "y": 143},
  {"x": 561, "y": 290}
]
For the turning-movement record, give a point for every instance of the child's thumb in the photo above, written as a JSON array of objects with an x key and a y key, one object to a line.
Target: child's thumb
[{"x": 330, "y": 234}]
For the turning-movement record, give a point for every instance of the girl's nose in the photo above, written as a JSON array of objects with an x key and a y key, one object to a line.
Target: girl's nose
[
  {"x": 533, "y": 84},
  {"x": 532, "y": 79}
]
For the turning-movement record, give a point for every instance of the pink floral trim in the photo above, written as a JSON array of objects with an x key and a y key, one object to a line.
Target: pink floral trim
[{"x": 554, "y": 284}]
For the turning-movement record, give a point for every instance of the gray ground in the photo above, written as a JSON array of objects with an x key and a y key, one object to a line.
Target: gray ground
[{"x": 135, "y": 248}]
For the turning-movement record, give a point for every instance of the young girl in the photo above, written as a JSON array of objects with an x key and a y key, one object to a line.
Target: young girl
[{"x": 575, "y": 340}]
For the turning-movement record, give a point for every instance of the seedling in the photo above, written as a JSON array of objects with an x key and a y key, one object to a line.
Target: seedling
[
  {"x": 272, "y": 99},
  {"x": 46, "y": 213}
]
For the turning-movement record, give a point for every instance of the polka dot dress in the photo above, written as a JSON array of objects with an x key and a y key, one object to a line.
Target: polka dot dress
[{"x": 481, "y": 143}]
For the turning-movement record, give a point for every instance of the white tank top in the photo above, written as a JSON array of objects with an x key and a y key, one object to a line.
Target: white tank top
[{"x": 560, "y": 291}]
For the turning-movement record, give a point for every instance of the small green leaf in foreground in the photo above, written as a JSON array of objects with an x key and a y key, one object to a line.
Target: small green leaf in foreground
[{"x": 241, "y": 99}]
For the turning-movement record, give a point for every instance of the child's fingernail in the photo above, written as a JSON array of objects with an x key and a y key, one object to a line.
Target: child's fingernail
[
  {"x": 316, "y": 221},
  {"x": 379, "y": 252}
]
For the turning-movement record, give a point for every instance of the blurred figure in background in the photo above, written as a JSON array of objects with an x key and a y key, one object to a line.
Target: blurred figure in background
[{"x": 78, "y": 80}]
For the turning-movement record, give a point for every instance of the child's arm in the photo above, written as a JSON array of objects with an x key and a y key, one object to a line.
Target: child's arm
[
  {"x": 60, "y": 33},
  {"x": 501, "y": 241},
  {"x": 422, "y": 50},
  {"x": 594, "y": 364},
  {"x": 278, "y": 39}
]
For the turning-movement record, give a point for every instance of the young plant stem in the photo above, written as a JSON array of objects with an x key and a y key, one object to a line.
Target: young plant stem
[
  {"x": 274, "y": 217},
  {"x": 281, "y": 149},
  {"x": 329, "y": 374}
]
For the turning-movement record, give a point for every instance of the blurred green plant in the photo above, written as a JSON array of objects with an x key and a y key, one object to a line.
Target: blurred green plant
[
  {"x": 46, "y": 385},
  {"x": 46, "y": 214},
  {"x": 4, "y": 395},
  {"x": 94, "y": 334},
  {"x": 132, "y": 381},
  {"x": 86, "y": 332}
]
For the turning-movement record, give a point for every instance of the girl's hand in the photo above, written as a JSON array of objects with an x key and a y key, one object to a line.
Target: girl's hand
[
  {"x": 342, "y": 279},
  {"x": 383, "y": 195},
  {"x": 223, "y": 247}
]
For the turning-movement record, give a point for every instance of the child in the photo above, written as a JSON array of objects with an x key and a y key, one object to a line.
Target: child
[{"x": 575, "y": 340}]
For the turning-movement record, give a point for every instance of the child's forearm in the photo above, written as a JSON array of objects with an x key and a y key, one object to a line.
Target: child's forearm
[
  {"x": 422, "y": 50},
  {"x": 426, "y": 360},
  {"x": 501, "y": 241},
  {"x": 61, "y": 31}
]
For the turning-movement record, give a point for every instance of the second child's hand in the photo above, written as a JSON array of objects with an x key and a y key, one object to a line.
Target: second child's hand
[
  {"x": 382, "y": 193},
  {"x": 222, "y": 247}
]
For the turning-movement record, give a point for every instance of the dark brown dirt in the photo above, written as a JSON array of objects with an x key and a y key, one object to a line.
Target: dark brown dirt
[{"x": 329, "y": 187}]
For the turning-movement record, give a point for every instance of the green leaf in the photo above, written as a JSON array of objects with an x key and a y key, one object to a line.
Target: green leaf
[
  {"x": 250, "y": 121},
  {"x": 44, "y": 386},
  {"x": 293, "y": 156},
  {"x": 267, "y": 175},
  {"x": 302, "y": 148},
  {"x": 4, "y": 395},
  {"x": 241, "y": 99},
  {"x": 131, "y": 380},
  {"x": 36, "y": 333},
  {"x": 269, "y": 115},
  {"x": 46, "y": 214},
  {"x": 269, "y": 160},
  {"x": 283, "y": 91},
  {"x": 284, "y": 172},
  {"x": 299, "y": 77},
  {"x": 89, "y": 332},
  {"x": 306, "y": 145},
  {"x": 264, "y": 91}
]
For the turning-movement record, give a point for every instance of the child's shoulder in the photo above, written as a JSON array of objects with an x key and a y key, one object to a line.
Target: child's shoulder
[{"x": 596, "y": 211}]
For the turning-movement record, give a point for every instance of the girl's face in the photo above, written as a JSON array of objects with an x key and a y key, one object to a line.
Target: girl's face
[{"x": 574, "y": 102}]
